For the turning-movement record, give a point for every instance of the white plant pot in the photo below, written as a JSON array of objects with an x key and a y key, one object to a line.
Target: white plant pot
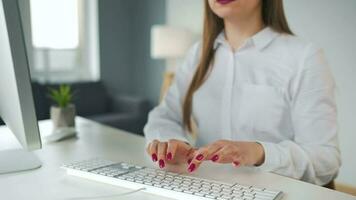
[{"x": 63, "y": 117}]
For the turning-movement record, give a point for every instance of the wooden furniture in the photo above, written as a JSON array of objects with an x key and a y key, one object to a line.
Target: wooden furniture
[{"x": 168, "y": 79}]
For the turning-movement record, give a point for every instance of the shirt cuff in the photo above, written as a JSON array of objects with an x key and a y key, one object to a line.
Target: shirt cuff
[{"x": 272, "y": 158}]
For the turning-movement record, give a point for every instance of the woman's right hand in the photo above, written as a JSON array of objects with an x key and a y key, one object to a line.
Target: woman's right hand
[{"x": 173, "y": 151}]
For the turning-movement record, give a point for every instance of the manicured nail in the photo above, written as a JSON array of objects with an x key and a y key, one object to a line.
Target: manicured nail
[
  {"x": 189, "y": 161},
  {"x": 191, "y": 167},
  {"x": 236, "y": 163},
  {"x": 169, "y": 156},
  {"x": 215, "y": 158},
  {"x": 161, "y": 163},
  {"x": 154, "y": 157},
  {"x": 200, "y": 157}
]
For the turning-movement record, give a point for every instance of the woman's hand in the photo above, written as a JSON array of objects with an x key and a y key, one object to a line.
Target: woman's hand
[
  {"x": 173, "y": 151},
  {"x": 225, "y": 151}
]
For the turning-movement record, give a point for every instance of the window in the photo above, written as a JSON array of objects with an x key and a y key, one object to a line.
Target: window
[
  {"x": 64, "y": 40},
  {"x": 55, "y": 24}
]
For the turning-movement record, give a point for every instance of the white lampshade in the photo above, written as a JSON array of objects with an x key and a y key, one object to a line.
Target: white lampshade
[{"x": 169, "y": 42}]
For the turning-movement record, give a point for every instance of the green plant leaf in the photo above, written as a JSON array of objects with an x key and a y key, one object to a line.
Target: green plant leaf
[{"x": 62, "y": 96}]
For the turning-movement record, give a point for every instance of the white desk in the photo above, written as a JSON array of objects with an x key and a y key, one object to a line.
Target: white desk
[{"x": 95, "y": 140}]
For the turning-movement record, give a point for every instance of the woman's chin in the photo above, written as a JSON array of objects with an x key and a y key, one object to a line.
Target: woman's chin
[
  {"x": 225, "y": 8},
  {"x": 226, "y": 13}
]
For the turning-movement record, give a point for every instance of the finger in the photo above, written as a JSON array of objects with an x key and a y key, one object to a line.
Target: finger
[
  {"x": 153, "y": 150},
  {"x": 238, "y": 162},
  {"x": 161, "y": 152},
  {"x": 212, "y": 150},
  {"x": 227, "y": 154},
  {"x": 186, "y": 147},
  {"x": 171, "y": 149},
  {"x": 199, "y": 157},
  {"x": 190, "y": 155}
]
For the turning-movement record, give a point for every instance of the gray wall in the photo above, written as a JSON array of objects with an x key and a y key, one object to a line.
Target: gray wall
[
  {"x": 126, "y": 66},
  {"x": 328, "y": 23}
]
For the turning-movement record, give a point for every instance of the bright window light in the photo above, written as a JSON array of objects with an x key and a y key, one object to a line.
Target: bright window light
[{"x": 55, "y": 24}]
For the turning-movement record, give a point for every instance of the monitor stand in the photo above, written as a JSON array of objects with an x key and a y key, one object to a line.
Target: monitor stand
[{"x": 17, "y": 160}]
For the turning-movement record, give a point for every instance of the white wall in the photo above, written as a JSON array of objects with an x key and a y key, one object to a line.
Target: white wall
[
  {"x": 328, "y": 23},
  {"x": 185, "y": 14}
]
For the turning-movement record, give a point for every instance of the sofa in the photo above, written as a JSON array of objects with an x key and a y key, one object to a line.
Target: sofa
[{"x": 93, "y": 101}]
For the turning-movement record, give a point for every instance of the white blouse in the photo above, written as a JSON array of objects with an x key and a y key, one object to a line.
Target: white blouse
[{"x": 275, "y": 89}]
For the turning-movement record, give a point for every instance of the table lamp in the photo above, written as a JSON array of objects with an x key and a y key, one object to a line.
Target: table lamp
[{"x": 171, "y": 44}]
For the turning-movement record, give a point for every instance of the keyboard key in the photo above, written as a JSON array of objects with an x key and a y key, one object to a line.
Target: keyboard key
[
  {"x": 270, "y": 192},
  {"x": 263, "y": 198},
  {"x": 224, "y": 197},
  {"x": 194, "y": 190},
  {"x": 210, "y": 196},
  {"x": 158, "y": 185},
  {"x": 245, "y": 195},
  {"x": 199, "y": 194},
  {"x": 215, "y": 194},
  {"x": 178, "y": 189},
  {"x": 168, "y": 187},
  {"x": 259, "y": 196},
  {"x": 205, "y": 190},
  {"x": 188, "y": 191}
]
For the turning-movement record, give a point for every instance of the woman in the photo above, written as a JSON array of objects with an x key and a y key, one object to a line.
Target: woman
[{"x": 253, "y": 95}]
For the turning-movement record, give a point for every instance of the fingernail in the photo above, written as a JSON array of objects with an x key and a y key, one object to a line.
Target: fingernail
[
  {"x": 215, "y": 158},
  {"x": 236, "y": 163},
  {"x": 154, "y": 157},
  {"x": 200, "y": 157},
  {"x": 189, "y": 160},
  {"x": 191, "y": 167},
  {"x": 169, "y": 156},
  {"x": 161, "y": 163}
]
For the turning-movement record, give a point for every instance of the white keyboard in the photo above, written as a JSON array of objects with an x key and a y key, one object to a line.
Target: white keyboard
[{"x": 167, "y": 184}]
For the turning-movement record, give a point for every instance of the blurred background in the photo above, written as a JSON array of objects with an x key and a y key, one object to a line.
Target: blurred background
[{"x": 120, "y": 55}]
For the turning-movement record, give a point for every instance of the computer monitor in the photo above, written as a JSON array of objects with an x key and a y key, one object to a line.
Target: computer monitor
[{"x": 16, "y": 100}]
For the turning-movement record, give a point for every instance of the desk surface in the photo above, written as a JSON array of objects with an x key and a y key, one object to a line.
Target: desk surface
[{"x": 96, "y": 140}]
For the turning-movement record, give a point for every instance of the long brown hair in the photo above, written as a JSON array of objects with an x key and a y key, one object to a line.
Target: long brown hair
[{"x": 272, "y": 16}]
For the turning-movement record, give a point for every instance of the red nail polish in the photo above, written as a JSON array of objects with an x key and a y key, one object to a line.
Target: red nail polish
[
  {"x": 161, "y": 163},
  {"x": 215, "y": 158},
  {"x": 236, "y": 163},
  {"x": 169, "y": 156},
  {"x": 189, "y": 161},
  {"x": 191, "y": 167},
  {"x": 154, "y": 157},
  {"x": 200, "y": 157}
]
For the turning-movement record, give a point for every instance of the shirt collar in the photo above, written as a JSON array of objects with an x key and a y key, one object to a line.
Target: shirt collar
[{"x": 260, "y": 39}]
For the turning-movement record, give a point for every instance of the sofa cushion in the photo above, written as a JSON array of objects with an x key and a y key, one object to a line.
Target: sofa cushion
[
  {"x": 41, "y": 100},
  {"x": 131, "y": 122}
]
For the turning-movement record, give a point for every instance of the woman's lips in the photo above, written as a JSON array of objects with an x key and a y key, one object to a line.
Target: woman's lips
[{"x": 224, "y": 1}]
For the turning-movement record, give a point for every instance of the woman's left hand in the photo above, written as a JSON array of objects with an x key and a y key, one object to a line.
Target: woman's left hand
[{"x": 226, "y": 151}]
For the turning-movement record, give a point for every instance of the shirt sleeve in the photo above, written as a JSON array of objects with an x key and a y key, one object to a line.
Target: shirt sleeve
[
  {"x": 314, "y": 154},
  {"x": 165, "y": 120}
]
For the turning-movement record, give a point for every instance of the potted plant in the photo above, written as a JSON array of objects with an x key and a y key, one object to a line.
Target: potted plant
[{"x": 63, "y": 112}]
